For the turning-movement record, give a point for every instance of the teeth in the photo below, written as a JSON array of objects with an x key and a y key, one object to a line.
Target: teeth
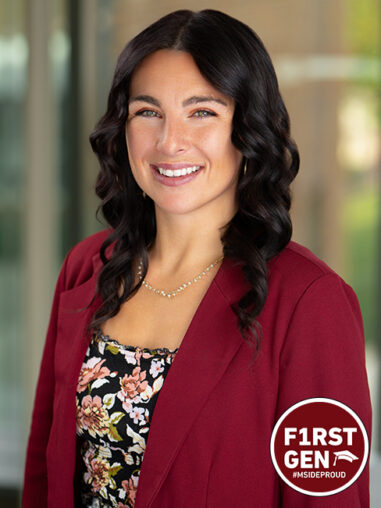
[{"x": 178, "y": 172}]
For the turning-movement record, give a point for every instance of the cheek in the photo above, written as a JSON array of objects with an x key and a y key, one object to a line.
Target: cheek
[
  {"x": 212, "y": 140},
  {"x": 138, "y": 141},
  {"x": 217, "y": 145}
]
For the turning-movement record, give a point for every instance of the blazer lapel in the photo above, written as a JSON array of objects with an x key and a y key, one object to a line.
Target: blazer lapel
[
  {"x": 75, "y": 311},
  {"x": 213, "y": 331}
]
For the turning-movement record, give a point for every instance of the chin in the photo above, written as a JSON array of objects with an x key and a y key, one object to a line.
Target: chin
[{"x": 176, "y": 206}]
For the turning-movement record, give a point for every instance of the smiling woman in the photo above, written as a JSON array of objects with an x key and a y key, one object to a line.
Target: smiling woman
[{"x": 181, "y": 334}]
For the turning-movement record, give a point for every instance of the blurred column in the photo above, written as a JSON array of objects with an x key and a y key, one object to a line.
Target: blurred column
[
  {"x": 79, "y": 165},
  {"x": 71, "y": 128},
  {"x": 88, "y": 91},
  {"x": 40, "y": 193}
]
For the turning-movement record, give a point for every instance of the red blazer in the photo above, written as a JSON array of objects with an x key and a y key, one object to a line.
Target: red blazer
[{"x": 209, "y": 440}]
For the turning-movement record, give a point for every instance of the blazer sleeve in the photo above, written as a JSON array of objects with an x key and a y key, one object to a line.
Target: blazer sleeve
[
  {"x": 324, "y": 356},
  {"x": 35, "y": 479}
]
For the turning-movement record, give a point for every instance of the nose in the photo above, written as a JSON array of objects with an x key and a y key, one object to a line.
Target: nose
[{"x": 172, "y": 137}]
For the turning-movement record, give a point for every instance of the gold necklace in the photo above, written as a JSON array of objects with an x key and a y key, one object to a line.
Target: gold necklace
[{"x": 177, "y": 291}]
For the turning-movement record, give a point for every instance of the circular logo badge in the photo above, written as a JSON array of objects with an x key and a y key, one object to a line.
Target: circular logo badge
[{"x": 319, "y": 446}]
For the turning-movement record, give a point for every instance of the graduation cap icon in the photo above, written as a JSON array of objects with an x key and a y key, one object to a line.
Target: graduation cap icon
[{"x": 344, "y": 455}]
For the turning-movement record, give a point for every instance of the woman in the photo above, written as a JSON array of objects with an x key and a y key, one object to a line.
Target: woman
[{"x": 198, "y": 285}]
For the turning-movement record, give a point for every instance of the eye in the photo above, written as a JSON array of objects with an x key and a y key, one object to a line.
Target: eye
[
  {"x": 203, "y": 113},
  {"x": 149, "y": 113}
]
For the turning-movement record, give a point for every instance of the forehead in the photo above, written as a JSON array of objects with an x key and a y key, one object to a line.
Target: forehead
[{"x": 171, "y": 73}]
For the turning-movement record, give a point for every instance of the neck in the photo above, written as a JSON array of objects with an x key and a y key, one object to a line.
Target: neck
[{"x": 187, "y": 241}]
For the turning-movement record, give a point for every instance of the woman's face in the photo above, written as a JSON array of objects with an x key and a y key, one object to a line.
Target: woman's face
[{"x": 178, "y": 135}]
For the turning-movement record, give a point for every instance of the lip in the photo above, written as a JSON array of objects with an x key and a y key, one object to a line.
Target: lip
[{"x": 175, "y": 180}]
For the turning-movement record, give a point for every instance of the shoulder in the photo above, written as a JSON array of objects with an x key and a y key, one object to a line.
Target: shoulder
[
  {"x": 84, "y": 259},
  {"x": 291, "y": 273},
  {"x": 88, "y": 246},
  {"x": 297, "y": 274},
  {"x": 300, "y": 261},
  {"x": 297, "y": 267}
]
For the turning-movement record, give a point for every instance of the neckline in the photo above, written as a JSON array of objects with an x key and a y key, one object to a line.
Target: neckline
[{"x": 99, "y": 335}]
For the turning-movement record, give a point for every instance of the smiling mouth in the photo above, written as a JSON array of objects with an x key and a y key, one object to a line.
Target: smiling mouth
[{"x": 173, "y": 173}]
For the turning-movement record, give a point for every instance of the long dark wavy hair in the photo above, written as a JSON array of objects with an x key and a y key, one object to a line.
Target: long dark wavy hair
[{"x": 234, "y": 60}]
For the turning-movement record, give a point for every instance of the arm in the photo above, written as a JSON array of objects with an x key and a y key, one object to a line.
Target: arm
[
  {"x": 324, "y": 356},
  {"x": 35, "y": 480}
]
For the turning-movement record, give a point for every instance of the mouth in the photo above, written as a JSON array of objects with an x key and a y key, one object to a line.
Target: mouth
[{"x": 176, "y": 171}]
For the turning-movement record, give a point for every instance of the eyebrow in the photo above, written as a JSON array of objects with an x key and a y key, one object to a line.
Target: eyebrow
[
  {"x": 145, "y": 98},
  {"x": 203, "y": 98},
  {"x": 195, "y": 99}
]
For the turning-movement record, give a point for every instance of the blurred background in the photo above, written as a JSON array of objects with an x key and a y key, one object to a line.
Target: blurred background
[{"x": 56, "y": 63}]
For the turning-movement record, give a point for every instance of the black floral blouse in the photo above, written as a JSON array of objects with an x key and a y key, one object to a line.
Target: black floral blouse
[{"x": 117, "y": 392}]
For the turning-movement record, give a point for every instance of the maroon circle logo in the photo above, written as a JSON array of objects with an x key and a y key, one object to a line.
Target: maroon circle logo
[{"x": 319, "y": 446}]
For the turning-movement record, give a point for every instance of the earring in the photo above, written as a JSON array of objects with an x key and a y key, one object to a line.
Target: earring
[
  {"x": 245, "y": 167},
  {"x": 144, "y": 194}
]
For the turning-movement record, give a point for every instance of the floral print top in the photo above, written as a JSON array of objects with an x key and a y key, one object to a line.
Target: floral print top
[{"x": 117, "y": 392}]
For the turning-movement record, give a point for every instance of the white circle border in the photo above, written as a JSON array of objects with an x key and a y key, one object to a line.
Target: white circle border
[{"x": 303, "y": 403}]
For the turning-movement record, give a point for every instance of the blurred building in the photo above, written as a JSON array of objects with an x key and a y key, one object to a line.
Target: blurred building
[{"x": 56, "y": 63}]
